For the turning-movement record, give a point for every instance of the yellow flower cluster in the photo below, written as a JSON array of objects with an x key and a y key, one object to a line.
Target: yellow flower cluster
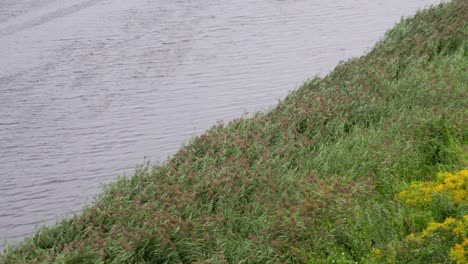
[
  {"x": 421, "y": 193},
  {"x": 457, "y": 229},
  {"x": 459, "y": 252},
  {"x": 377, "y": 253},
  {"x": 450, "y": 225},
  {"x": 455, "y": 184}
]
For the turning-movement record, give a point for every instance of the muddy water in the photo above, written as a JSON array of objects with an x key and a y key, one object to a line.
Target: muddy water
[{"x": 89, "y": 88}]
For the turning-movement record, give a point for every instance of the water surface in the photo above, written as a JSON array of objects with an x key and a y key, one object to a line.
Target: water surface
[{"x": 89, "y": 88}]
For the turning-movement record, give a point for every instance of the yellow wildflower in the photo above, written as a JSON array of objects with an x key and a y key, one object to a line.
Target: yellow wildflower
[
  {"x": 421, "y": 193},
  {"x": 452, "y": 186},
  {"x": 458, "y": 231},
  {"x": 439, "y": 188},
  {"x": 433, "y": 227},
  {"x": 413, "y": 238},
  {"x": 459, "y": 252},
  {"x": 377, "y": 253},
  {"x": 441, "y": 176},
  {"x": 459, "y": 196}
]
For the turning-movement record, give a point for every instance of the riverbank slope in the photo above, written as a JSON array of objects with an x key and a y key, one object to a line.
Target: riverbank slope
[{"x": 320, "y": 178}]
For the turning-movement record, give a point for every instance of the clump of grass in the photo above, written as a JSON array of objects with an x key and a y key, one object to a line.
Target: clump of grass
[{"x": 312, "y": 181}]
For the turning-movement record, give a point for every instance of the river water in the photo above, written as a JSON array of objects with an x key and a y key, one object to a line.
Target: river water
[{"x": 89, "y": 88}]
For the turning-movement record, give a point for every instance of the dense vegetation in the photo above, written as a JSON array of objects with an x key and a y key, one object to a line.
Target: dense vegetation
[{"x": 343, "y": 170}]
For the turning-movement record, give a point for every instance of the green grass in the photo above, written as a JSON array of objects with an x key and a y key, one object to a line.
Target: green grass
[{"x": 312, "y": 181}]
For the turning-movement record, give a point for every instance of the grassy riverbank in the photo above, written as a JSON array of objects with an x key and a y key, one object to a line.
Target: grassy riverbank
[{"x": 329, "y": 175}]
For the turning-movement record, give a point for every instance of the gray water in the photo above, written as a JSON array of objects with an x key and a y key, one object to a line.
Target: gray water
[{"x": 89, "y": 88}]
